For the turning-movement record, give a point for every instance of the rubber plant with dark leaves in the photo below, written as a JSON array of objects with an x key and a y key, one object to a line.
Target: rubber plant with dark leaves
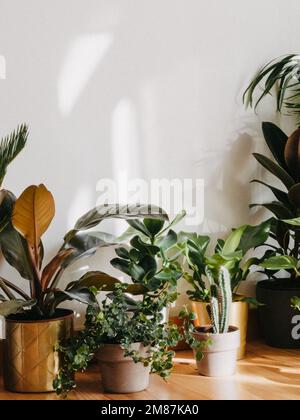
[
  {"x": 151, "y": 263},
  {"x": 22, "y": 247},
  {"x": 286, "y": 206}
]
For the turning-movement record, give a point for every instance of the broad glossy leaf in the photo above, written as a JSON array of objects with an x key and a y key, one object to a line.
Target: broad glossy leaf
[
  {"x": 154, "y": 226},
  {"x": 11, "y": 307},
  {"x": 15, "y": 250},
  {"x": 105, "y": 283},
  {"x": 143, "y": 247},
  {"x": 168, "y": 241},
  {"x": 149, "y": 266},
  {"x": 100, "y": 213},
  {"x": 140, "y": 227},
  {"x": 54, "y": 265},
  {"x": 276, "y": 140},
  {"x": 283, "y": 262},
  {"x": 280, "y": 195},
  {"x": 293, "y": 222},
  {"x": 33, "y": 212},
  {"x": 276, "y": 170},
  {"x": 121, "y": 265},
  {"x": 123, "y": 253},
  {"x": 85, "y": 241},
  {"x": 255, "y": 236},
  {"x": 292, "y": 154},
  {"x": 232, "y": 242},
  {"x": 294, "y": 195},
  {"x": 277, "y": 208}
]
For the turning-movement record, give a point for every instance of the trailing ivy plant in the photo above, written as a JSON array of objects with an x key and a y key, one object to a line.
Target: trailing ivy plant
[{"x": 120, "y": 319}]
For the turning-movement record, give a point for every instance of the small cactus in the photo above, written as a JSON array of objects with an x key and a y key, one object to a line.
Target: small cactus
[{"x": 221, "y": 300}]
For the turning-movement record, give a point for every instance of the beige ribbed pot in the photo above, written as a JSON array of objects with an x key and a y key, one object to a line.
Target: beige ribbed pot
[
  {"x": 238, "y": 318},
  {"x": 220, "y": 356},
  {"x": 31, "y": 364},
  {"x": 120, "y": 375}
]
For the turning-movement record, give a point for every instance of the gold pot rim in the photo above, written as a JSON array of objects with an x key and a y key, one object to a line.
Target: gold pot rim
[{"x": 65, "y": 314}]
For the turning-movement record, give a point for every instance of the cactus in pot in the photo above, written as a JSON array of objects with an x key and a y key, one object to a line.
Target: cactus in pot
[{"x": 216, "y": 345}]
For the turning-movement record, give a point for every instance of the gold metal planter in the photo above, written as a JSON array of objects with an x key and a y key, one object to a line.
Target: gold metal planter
[
  {"x": 239, "y": 319},
  {"x": 30, "y": 362}
]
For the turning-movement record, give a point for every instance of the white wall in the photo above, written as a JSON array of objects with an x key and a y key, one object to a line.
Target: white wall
[{"x": 167, "y": 74}]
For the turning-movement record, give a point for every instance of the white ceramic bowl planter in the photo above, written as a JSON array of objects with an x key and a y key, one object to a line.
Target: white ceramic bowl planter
[
  {"x": 120, "y": 375},
  {"x": 220, "y": 354}
]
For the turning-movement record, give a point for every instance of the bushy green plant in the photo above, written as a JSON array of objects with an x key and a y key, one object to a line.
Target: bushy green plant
[
  {"x": 123, "y": 320},
  {"x": 230, "y": 253},
  {"x": 22, "y": 247}
]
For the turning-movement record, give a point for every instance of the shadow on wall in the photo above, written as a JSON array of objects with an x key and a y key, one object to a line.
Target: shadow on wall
[{"x": 108, "y": 86}]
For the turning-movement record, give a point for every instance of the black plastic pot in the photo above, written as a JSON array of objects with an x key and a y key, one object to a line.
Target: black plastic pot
[{"x": 279, "y": 322}]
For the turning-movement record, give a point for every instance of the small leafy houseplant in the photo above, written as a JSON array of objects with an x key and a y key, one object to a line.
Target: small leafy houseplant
[
  {"x": 129, "y": 335},
  {"x": 231, "y": 252},
  {"x": 216, "y": 345},
  {"x": 27, "y": 313}
]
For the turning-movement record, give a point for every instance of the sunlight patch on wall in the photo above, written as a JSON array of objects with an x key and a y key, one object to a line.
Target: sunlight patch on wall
[
  {"x": 2, "y": 67},
  {"x": 126, "y": 154},
  {"x": 81, "y": 62},
  {"x": 82, "y": 203}
]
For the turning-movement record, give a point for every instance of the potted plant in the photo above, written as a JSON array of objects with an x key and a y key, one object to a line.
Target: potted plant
[
  {"x": 216, "y": 344},
  {"x": 34, "y": 321},
  {"x": 284, "y": 292},
  {"x": 276, "y": 315},
  {"x": 232, "y": 251},
  {"x": 128, "y": 336},
  {"x": 10, "y": 147}
]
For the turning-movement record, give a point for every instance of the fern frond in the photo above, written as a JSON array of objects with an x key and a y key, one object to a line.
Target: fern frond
[{"x": 10, "y": 147}]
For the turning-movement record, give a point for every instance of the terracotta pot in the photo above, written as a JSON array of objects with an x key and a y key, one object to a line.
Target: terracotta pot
[
  {"x": 31, "y": 364},
  {"x": 220, "y": 356},
  {"x": 120, "y": 375},
  {"x": 239, "y": 318}
]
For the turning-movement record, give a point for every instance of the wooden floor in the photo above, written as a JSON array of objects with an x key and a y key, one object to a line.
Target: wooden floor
[{"x": 266, "y": 374}]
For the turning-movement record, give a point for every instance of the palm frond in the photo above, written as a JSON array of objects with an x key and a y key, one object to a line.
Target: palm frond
[
  {"x": 281, "y": 75},
  {"x": 10, "y": 147}
]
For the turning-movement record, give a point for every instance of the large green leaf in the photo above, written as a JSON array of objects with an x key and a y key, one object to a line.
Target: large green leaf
[
  {"x": 139, "y": 227},
  {"x": 293, "y": 222},
  {"x": 280, "y": 211},
  {"x": 116, "y": 211},
  {"x": 294, "y": 195},
  {"x": 276, "y": 170},
  {"x": 233, "y": 241},
  {"x": 14, "y": 248},
  {"x": 12, "y": 307},
  {"x": 105, "y": 283},
  {"x": 276, "y": 140},
  {"x": 283, "y": 262},
  {"x": 254, "y": 236},
  {"x": 280, "y": 195},
  {"x": 85, "y": 241},
  {"x": 168, "y": 241}
]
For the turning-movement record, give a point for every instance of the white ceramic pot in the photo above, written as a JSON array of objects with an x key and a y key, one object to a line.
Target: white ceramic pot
[{"x": 220, "y": 356}]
